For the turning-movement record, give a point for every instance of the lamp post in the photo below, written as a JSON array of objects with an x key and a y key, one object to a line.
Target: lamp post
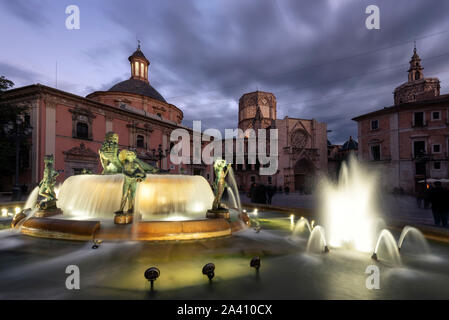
[
  {"x": 161, "y": 154},
  {"x": 19, "y": 130}
]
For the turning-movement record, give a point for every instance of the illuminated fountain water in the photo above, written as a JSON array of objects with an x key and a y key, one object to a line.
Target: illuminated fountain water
[
  {"x": 317, "y": 241},
  {"x": 391, "y": 248},
  {"x": 159, "y": 197},
  {"x": 416, "y": 241},
  {"x": 349, "y": 208}
]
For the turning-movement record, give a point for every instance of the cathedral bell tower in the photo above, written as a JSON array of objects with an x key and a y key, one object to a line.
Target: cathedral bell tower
[
  {"x": 415, "y": 71},
  {"x": 417, "y": 88}
]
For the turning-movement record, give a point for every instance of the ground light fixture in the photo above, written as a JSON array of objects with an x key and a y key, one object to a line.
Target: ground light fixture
[
  {"x": 209, "y": 270},
  {"x": 151, "y": 274}
]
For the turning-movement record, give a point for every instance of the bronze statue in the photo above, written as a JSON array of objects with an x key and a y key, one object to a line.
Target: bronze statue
[
  {"x": 221, "y": 169},
  {"x": 47, "y": 185},
  {"x": 133, "y": 173},
  {"x": 109, "y": 157},
  {"x": 109, "y": 154}
]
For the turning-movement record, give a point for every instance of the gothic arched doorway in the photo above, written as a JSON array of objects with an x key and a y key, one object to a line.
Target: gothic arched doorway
[{"x": 304, "y": 176}]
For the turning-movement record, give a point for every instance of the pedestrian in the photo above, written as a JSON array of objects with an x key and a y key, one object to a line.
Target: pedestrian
[
  {"x": 270, "y": 193},
  {"x": 437, "y": 197},
  {"x": 253, "y": 192},
  {"x": 261, "y": 194}
]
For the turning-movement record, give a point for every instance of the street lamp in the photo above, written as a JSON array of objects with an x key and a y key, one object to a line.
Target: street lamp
[
  {"x": 19, "y": 130},
  {"x": 161, "y": 154}
]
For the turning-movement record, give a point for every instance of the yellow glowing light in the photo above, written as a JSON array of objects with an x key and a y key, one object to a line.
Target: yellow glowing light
[
  {"x": 255, "y": 212},
  {"x": 312, "y": 223},
  {"x": 4, "y": 212},
  {"x": 17, "y": 210},
  {"x": 350, "y": 209},
  {"x": 292, "y": 221}
]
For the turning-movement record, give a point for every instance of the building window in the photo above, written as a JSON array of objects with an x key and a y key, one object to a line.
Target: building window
[
  {"x": 82, "y": 122},
  {"x": 419, "y": 148},
  {"x": 270, "y": 180},
  {"x": 375, "y": 152},
  {"x": 437, "y": 165},
  {"x": 82, "y": 130},
  {"x": 253, "y": 179},
  {"x": 136, "y": 68},
  {"x": 140, "y": 142},
  {"x": 418, "y": 119},
  {"x": 374, "y": 124},
  {"x": 436, "y": 115},
  {"x": 436, "y": 148},
  {"x": 159, "y": 115}
]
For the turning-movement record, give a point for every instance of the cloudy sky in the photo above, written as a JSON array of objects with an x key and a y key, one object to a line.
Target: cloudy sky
[{"x": 316, "y": 56}]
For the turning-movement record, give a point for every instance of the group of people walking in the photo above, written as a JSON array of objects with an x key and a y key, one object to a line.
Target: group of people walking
[
  {"x": 437, "y": 197},
  {"x": 260, "y": 193}
]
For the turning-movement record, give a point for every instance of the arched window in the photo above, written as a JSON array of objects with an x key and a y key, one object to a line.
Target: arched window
[
  {"x": 142, "y": 72},
  {"x": 136, "y": 68},
  {"x": 82, "y": 130},
  {"x": 140, "y": 141}
]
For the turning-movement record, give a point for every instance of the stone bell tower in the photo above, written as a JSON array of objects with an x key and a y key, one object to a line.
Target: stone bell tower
[
  {"x": 257, "y": 110},
  {"x": 417, "y": 87}
]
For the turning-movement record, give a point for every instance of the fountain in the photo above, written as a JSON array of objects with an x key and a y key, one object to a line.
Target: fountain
[
  {"x": 317, "y": 241},
  {"x": 174, "y": 207},
  {"x": 349, "y": 208},
  {"x": 391, "y": 247},
  {"x": 159, "y": 206},
  {"x": 417, "y": 240}
]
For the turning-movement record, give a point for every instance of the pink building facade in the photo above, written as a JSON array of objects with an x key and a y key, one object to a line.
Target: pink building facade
[
  {"x": 408, "y": 142},
  {"x": 72, "y": 128}
]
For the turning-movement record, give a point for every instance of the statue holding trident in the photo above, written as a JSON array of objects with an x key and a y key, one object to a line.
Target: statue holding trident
[
  {"x": 133, "y": 173},
  {"x": 221, "y": 169}
]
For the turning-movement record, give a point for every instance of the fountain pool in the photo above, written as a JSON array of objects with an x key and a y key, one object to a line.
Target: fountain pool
[{"x": 35, "y": 268}]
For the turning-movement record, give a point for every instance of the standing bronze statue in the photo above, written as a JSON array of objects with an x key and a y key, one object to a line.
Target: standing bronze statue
[
  {"x": 219, "y": 210},
  {"x": 47, "y": 185},
  {"x": 133, "y": 173},
  {"x": 221, "y": 169}
]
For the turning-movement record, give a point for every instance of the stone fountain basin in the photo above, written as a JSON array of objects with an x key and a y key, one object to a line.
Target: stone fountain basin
[{"x": 140, "y": 231}]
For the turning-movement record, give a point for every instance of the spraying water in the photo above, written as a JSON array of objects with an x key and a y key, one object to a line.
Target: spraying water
[
  {"x": 317, "y": 241},
  {"x": 392, "y": 252},
  {"x": 159, "y": 197},
  {"x": 416, "y": 237},
  {"x": 349, "y": 208},
  {"x": 234, "y": 191},
  {"x": 302, "y": 225}
]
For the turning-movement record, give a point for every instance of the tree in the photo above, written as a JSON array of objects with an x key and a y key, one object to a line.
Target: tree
[{"x": 9, "y": 113}]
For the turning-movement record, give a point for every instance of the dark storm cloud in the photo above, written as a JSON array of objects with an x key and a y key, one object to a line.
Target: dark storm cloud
[{"x": 317, "y": 57}]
